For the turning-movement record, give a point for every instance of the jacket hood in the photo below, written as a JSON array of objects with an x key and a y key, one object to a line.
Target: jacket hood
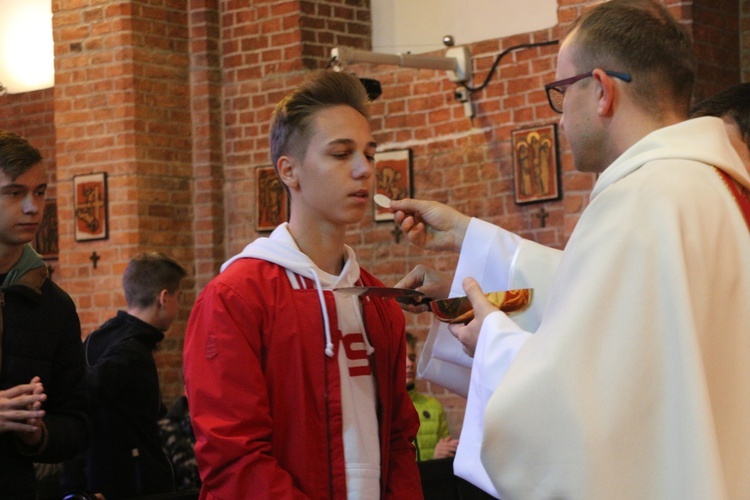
[
  {"x": 281, "y": 249},
  {"x": 112, "y": 333},
  {"x": 701, "y": 139},
  {"x": 30, "y": 271}
]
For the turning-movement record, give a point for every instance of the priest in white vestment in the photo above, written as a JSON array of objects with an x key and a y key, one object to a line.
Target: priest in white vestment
[{"x": 636, "y": 382}]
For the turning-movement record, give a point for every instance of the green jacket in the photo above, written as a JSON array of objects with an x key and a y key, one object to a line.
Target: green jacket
[{"x": 433, "y": 426}]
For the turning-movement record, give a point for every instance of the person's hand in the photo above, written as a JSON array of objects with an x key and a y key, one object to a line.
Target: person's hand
[
  {"x": 468, "y": 334},
  {"x": 21, "y": 411},
  {"x": 34, "y": 437},
  {"x": 430, "y": 224},
  {"x": 446, "y": 447},
  {"x": 434, "y": 284}
]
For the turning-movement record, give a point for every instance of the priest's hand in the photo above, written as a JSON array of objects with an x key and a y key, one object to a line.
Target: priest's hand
[
  {"x": 434, "y": 284},
  {"x": 468, "y": 334},
  {"x": 429, "y": 224}
]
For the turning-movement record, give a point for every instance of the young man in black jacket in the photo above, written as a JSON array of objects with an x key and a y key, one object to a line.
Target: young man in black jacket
[
  {"x": 43, "y": 397},
  {"x": 126, "y": 458}
]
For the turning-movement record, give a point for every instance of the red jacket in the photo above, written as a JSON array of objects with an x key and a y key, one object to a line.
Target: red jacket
[{"x": 265, "y": 400}]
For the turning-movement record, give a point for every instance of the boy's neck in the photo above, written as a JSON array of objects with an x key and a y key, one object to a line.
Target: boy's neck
[
  {"x": 9, "y": 255},
  {"x": 324, "y": 247},
  {"x": 148, "y": 314}
]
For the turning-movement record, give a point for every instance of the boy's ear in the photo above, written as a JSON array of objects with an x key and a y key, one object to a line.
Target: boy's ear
[
  {"x": 287, "y": 172},
  {"x": 162, "y": 298}
]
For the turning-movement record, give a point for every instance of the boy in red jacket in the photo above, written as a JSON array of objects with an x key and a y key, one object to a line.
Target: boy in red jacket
[{"x": 296, "y": 390}]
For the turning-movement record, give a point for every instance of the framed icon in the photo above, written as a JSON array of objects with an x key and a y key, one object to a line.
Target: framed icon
[
  {"x": 46, "y": 239},
  {"x": 90, "y": 206},
  {"x": 536, "y": 171},
  {"x": 271, "y": 200},
  {"x": 393, "y": 176}
]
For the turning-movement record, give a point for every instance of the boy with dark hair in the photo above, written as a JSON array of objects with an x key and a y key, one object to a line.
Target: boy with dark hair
[
  {"x": 42, "y": 374},
  {"x": 297, "y": 390},
  {"x": 126, "y": 458},
  {"x": 732, "y": 105}
]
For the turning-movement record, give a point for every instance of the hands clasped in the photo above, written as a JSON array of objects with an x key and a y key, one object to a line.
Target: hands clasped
[{"x": 21, "y": 411}]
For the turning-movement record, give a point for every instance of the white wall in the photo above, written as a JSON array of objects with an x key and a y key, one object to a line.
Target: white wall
[{"x": 417, "y": 26}]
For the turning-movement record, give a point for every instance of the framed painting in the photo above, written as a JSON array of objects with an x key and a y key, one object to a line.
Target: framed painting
[
  {"x": 393, "y": 178},
  {"x": 271, "y": 200},
  {"x": 90, "y": 206},
  {"x": 45, "y": 241},
  {"x": 536, "y": 171}
]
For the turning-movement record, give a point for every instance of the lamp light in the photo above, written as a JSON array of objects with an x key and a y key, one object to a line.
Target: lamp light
[{"x": 27, "y": 60}]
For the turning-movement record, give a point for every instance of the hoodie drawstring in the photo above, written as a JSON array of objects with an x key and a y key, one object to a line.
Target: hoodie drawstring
[
  {"x": 369, "y": 349},
  {"x": 326, "y": 322}
]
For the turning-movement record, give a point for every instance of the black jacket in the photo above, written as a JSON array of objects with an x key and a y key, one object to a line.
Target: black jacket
[
  {"x": 41, "y": 336},
  {"x": 125, "y": 457}
]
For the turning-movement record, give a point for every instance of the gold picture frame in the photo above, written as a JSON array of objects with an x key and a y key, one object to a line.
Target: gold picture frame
[{"x": 536, "y": 171}]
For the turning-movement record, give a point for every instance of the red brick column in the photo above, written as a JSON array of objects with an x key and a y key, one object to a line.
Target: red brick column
[
  {"x": 122, "y": 106},
  {"x": 208, "y": 155}
]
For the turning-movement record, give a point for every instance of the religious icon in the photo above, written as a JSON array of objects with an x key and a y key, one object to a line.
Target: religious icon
[
  {"x": 90, "y": 206},
  {"x": 392, "y": 179},
  {"x": 45, "y": 241},
  {"x": 272, "y": 205},
  {"x": 535, "y": 164}
]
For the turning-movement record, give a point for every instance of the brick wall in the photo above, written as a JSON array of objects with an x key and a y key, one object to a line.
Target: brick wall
[
  {"x": 122, "y": 106},
  {"x": 172, "y": 99},
  {"x": 715, "y": 28},
  {"x": 31, "y": 114},
  {"x": 207, "y": 132}
]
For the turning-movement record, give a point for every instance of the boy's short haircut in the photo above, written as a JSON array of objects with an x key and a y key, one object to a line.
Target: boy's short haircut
[
  {"x": 149, "y": 273},
  {"x": 292, "y": 118},
  {"x": 733, "y": 103},
  {"x": 411, "y": 340},
  {"x": 16, "y": 154}
]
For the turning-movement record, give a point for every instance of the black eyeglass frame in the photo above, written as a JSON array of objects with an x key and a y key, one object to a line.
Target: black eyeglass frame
[{"x": 560, "y": 86}]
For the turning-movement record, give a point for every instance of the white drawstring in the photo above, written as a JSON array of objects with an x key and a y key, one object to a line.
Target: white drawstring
[
  {"x": 327, "y": 324},
  {"x": 369, "y": 349}
]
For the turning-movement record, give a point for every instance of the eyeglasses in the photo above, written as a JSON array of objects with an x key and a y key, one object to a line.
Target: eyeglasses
[{"x": 556, "y": 90}]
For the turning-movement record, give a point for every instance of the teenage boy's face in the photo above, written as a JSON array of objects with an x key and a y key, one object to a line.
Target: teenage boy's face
[
  {"x": 21, "y": 206},
  {"x": 335, "y": 178},
  {"x": 411, "y": 364}
]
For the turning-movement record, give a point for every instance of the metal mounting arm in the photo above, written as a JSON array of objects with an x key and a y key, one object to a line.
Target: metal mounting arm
[{"x": 457, "y": 60}]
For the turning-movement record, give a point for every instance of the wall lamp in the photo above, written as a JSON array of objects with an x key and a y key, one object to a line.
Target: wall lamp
[{"x": 457, "y": 61}]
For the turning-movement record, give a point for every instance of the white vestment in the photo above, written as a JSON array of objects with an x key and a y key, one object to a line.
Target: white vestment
[{"x": 636, "y": 383}]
